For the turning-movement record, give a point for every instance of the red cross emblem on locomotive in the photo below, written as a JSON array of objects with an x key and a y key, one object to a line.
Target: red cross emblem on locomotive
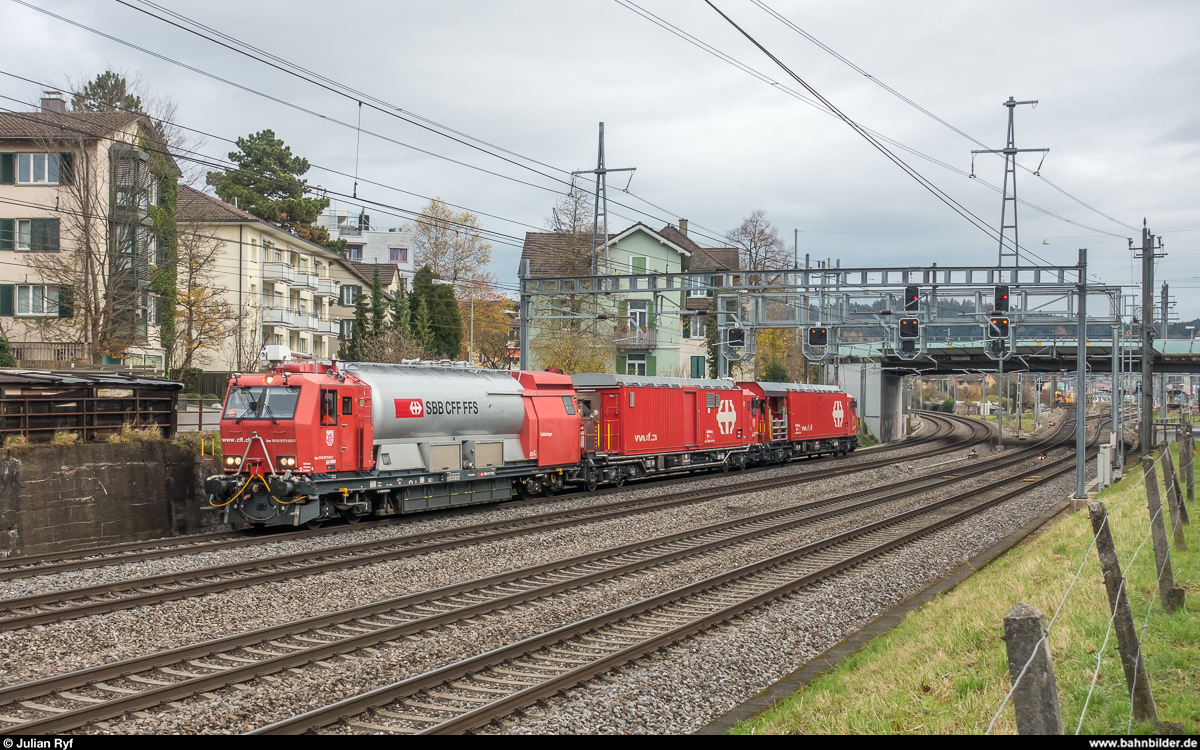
[{"x": 406, "y": 408}]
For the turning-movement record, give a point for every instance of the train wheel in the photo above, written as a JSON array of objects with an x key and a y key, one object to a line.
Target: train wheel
[
  {"x": 548, "y": 488},
  {"x": 591, "y": 483},
  {"x": 620, "y": 480},
  {"x": 316, "y": 523},
  {"x": 352, "y": 516},
  {"x": 527, "y": 490}
]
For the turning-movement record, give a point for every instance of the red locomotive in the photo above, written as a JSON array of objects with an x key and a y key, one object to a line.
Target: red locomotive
[{"x": 307, "y": 442}]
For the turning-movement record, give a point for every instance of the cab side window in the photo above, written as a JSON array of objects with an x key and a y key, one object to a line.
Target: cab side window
[
  {"x": 347, "y": 404},
  {"x": 328, "y": 407}
]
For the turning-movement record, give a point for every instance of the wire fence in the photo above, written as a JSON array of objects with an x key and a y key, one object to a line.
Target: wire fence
[{"x": 1131, "y": 490}]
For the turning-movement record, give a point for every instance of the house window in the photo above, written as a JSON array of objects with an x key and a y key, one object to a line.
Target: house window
[
  {"x": 696, "y": 286},
  {"x": 277, "y": 339},
  {"x": 37, "y": 235},
  {"x": 37, "y": 300},
  {"x": 350, "y": 294},
  {"x": 398, "y": 254},
  {"x": 278, "y": 255},
  {"x": 37, "y": 169},
  {"x": 639, "y": 316},
  {"x": 698, "y": 329},
  {"x": 635, "y": 364},
  {"x": 354, "y": 252}
]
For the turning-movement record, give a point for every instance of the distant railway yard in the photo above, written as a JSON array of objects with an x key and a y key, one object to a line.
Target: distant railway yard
[{"x": 653, "y": 607}]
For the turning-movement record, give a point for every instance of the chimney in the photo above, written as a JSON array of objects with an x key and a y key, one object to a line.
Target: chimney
[
  {"x": 52, "y": 101},
  {"x": 682, "y": 225}
]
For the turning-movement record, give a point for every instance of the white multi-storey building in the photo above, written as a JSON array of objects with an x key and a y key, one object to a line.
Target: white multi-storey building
[{"x": 369, "y": 246}]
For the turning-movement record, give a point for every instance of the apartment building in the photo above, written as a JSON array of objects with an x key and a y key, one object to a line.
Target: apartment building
[
  {"x": 283, "y": 290},
  {"x": 655, "y": 333},
  {"x": 371, "y": 247},
  {"x": 79, "y": 252}
]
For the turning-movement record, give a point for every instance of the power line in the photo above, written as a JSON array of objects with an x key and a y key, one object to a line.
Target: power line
[
  {"x": 790, "y": 24},
  {"x": 334, "y": 120}
]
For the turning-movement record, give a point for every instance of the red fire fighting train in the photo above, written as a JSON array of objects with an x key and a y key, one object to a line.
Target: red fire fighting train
[{"x": 307, "y": 442}]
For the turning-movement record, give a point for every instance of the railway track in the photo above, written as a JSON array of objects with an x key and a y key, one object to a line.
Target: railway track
[
  {"x": 477, "y": 691},
  {"x": 69, "y": 701},
  {"x": 13, "y": 568},
  {"x": 73, "y": 603}
]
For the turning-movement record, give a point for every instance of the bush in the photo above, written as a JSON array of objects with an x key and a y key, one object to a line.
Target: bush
[
  {"x": 130, "y": 434},
  {"x": 211, "y": 397},
  {"x": 6, "y": 356},
  {"x": 64, "y": 438},
  {"x": 191, "y": 441},
  {"x": 948, "y": 406},
  {"x": 15, "y": 441}
]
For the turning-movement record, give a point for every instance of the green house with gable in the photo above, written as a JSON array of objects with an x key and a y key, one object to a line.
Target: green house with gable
[{"x": 645, "y": 332}]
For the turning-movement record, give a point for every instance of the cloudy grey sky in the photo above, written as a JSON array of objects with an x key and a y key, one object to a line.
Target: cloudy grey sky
[{"x": 1116, "y": 82}]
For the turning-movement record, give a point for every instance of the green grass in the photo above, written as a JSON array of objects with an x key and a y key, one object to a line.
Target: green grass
[
  {"x": 944, "y": 669},
  {"x": 1010, "y": 423}
]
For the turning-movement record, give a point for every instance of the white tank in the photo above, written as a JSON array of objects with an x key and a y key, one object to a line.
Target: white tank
[{"x": 432, "y": 400}]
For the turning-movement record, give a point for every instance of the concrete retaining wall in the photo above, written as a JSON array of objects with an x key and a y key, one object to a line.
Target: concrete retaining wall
[{"x": 63, "y": 498}]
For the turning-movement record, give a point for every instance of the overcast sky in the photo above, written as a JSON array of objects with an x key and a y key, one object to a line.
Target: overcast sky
[{"x": 1116, "y": 82}]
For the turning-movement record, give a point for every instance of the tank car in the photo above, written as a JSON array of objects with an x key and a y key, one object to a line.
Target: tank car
[{"x": 308, "y": 442}]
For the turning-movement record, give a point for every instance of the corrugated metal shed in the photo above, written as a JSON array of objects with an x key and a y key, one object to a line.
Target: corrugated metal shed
[{"x": 38, "y": 403}]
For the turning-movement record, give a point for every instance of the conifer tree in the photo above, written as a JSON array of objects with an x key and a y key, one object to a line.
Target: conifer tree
[
  {"x": 378, "y": 306},
  {"x": 401, "y": 316},
  {"x": 423, "y": 329},
  {"x": 359, "y": 330}
]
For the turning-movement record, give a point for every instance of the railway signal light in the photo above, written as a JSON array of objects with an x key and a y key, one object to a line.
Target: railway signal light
[
  {"x": 737, "y": 337},
  {"x": 1001, "y": 304},
  {"x": 912, "y": 299},
  {"x": 997, "y": 327},
  {"x": 818, "y": 336},
  {"x": 910, "y": 328}
]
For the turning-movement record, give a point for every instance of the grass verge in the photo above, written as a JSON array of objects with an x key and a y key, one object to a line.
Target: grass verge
[{"x": 944, "y": 670}]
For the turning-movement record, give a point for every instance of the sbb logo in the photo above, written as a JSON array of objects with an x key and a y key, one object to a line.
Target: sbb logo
[
  {"x": 407, "y": 408},
  {"x": 839, "y": 414}
]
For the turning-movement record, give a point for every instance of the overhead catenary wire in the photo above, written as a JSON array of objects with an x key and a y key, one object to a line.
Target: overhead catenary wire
[
  {"x": 790, "y": 24},
  {"x": 331, "y": 119}
]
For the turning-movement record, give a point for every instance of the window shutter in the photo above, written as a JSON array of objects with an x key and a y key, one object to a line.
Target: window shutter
[
  {"x": 8, "y": 169},
  {"x": 651, "y": 365},
  {"x": 7, "y": 233},
  {"x": 714, "y": 281},
  {"x": 638, "y": 265},
  {"x": 43, "y": 235},
  {"x": 650, "y": 318},
  {"x": 66, "y": 302},
  {"x": 66, "y": 169},
  {"x": 620, "y": 357},
  {"x": 7, "y": 292},
  {"x": 623, "y": 314},
  {"x": 687, "y": 327}
]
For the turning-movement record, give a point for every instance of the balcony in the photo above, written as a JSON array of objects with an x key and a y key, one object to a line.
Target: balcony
[
  {"x": 306, "y": 281},
  {"x": 636, "y": 338},
  {"x": 279, "y": 272},
  {"x": 328, "y": 288},
  {"x": 278, "y": 316},
  {"x": 328, "y": 327}
]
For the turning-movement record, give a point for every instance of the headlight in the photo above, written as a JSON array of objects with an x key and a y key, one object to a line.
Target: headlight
[
  {"x": 287, "y": 462},
  {"x": 232, "y": 460}
]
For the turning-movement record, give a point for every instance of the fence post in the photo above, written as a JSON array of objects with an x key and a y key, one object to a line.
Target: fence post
[
  {"x": 1187, "y": 459},
  {"x": 1172, "y": 598},
  {"x": 1127, "y": 642},
  {"x": 1178, "y": 512},
  {"x": 1035, "y": 694}
]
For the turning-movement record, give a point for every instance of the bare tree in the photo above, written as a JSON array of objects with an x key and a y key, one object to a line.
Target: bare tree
[
  {"x": 758, "y": 243},
  {"x": 392, "y": 345},
  {"x": 97, "y": 253},
  {"x": 202, "y": 316},
  {"x": 572, "y": 218},
  {"x": 246, "y": 330},
  {"x": 450, "y": 243}
]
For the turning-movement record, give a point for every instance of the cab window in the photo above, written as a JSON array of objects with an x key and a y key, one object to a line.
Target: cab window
[
  {"x": 328, "y": 407},
  {"x": 347, "y": 404}
]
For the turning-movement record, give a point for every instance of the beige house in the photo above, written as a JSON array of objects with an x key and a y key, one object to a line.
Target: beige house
[
  {"x": 280, "y": 288},
  {"x": 78, "y": 250}
]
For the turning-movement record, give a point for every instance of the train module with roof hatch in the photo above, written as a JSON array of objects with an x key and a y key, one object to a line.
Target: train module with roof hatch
[{"x": 306, "y": 442}]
